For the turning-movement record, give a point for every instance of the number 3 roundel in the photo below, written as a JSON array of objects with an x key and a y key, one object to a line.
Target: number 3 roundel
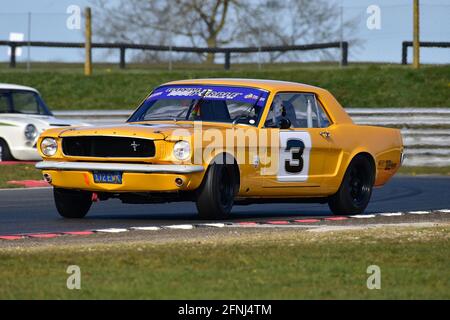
[{"x": 293, "y": 164}]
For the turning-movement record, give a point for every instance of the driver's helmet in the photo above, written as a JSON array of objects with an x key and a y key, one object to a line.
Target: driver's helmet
[{"x": 278, "y": 109}]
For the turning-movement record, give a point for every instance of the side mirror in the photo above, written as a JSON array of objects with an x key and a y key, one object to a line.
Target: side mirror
[{"x": 284, "y": 123}]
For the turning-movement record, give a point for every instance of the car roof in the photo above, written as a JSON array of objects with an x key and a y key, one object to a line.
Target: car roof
[
  {"x": 9, "y": 86},
  {"x": 270, "y": 85},
  {"x": 336, "y": 111}
]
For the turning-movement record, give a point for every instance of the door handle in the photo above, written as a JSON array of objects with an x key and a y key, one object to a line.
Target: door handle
[{"x": 325, "y": 134}]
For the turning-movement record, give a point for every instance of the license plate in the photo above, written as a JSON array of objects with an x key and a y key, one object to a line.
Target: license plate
[{"x": 112, "y": 177}]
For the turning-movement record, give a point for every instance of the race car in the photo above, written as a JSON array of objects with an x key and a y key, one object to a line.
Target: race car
[
  {"x": 221, "y": 142},
  {"x": 23, "y": 116}
]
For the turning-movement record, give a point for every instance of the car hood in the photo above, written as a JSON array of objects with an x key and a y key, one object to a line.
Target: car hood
[
  {"x": 125, "y": 130},
  {"x": 155, "y": 131}
]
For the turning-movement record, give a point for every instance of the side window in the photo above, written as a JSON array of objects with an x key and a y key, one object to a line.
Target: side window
[
  {"x": 4, "y": 104},
  {"x": 302, "y": 109},
  {"x": 323, "y": 118},
  {"x": 25, "y": 102},
  {"x": 305, "y": 111}
]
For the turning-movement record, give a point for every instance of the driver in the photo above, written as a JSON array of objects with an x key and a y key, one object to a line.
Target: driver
[{"x": 277, "y": 111}]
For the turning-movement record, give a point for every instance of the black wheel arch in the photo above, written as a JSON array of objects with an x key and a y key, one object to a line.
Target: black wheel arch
[
  {"x": 355, "y": 189},
  {"x": 4, "y": 141},
  {"x": 8, "y": 152},
  {"x": 365, "y": 155},
  {"x": 370, "y": 159},
  {"x": 220, "y": 185}
]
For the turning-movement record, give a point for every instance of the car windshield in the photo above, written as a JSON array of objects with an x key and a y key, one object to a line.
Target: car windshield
[
  {"x": 22, "y": 101},
  {"x": 203, "y": 103}
]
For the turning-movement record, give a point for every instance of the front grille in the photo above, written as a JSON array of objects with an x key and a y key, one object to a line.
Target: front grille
[{"x": 108, "y": 147}]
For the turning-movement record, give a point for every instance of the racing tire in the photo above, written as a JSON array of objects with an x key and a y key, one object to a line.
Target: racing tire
[
  {"x": 215, "y": 196},
  {"x": 5, "y": 151},
  {"x": 355, "y": 191},
  {"x": 72, "y": 204}
]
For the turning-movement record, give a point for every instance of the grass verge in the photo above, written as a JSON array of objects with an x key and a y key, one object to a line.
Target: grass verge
[
  {"x": 291, "y": 264},
  {"x": 359, "y": 85},
  {"x": 18, "y": 172},
  {"x": 443, "y": 171}
]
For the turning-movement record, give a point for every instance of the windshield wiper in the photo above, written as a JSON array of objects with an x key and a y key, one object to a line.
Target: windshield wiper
[
  {"x": 178, "y": 116},
  {"x": 247, "y": 111},
  {"x": 160, "y": 119}
]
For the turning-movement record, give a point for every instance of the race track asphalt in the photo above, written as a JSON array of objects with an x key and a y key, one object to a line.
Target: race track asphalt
[{"x": 33, "y": 210}]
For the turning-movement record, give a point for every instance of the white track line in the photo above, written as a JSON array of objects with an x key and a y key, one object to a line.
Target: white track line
[
  {"x": 419, "y": 212},
  {"x": 112, "y": 230},
  {"x": 374, "y": 226},
  {"x": 364, "y": 216},
  {"x": 213, "y": 225},
  {"x": 222, "y": 225},
  {"x": 274, "y": 226},
  {"x": 145, "y": 228},
  {"x": 391, "y": 214},
  {"x": 180, "y": 226}
]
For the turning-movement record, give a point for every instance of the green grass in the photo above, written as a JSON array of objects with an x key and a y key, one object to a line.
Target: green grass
[
  {"x": 280, "y": 265},
  {"x": 444, "y": 171},
  {"x": 18, "y": 172},
  {"x": 360, "y": 85}
]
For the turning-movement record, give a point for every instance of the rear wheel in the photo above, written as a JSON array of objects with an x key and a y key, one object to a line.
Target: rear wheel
[
  {"x": 5, "y": 153},
  {"x": 72, "y": 204},
  {"x": 356, "y": 188},
  {"x": 215, "y": 197}
]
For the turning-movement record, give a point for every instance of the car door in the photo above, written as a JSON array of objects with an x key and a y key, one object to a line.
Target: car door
[{"x": 302, "y": 147}]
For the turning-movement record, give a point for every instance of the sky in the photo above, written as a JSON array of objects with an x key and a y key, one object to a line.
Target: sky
[{"x": 380, "y": 41}]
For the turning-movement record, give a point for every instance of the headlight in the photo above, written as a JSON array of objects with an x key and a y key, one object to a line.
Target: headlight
[
  {"x": 49, "y": 146},
  {"x": 30, "y": 132},
  {"x": 182, "y": 150}
]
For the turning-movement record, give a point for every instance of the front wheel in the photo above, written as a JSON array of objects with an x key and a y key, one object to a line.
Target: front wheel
[
  {"x": 216, "y": 195},
  {"x": 72, "y": 204},
  {"x": 356, "y": 188}
]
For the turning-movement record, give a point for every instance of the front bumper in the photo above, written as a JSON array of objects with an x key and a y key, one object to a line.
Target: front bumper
[
  {"x": 26, "y": 154},
  {"x": 125, "y": 167},
  {"x": 135, "y": 177}
]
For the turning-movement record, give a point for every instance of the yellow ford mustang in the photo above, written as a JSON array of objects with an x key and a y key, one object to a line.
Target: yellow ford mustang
[{"x": 220, "y": 142}]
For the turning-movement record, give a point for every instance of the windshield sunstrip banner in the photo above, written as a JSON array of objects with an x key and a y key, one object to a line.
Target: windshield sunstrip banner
[{"x": 239, "y": 94}]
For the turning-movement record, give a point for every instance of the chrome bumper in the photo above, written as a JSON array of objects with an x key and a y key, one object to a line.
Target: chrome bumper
[{"x": 125, "y": 167}]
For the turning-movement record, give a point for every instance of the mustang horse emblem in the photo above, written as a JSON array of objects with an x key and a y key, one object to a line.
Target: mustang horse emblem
[{"x": 134, "y": 145}]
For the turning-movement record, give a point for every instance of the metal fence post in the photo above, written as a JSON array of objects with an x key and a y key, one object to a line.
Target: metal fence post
[
  {"x": 227, "y": 60},
  {"x": 29, "y": 39},
  {"x": 344, "y": 53},
  {"x": 416, "y": 43},
  {"x": 12, "y": 62},
  {"x": 122, "y": 57},
  {"x": 404, "y": 52},
  {"x": 88, "y": 43}
]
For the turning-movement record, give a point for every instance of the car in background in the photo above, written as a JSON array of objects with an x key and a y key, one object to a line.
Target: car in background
[{"x": 23, "y": 117}]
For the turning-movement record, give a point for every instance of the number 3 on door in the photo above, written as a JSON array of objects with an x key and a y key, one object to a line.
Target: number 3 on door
[{"x": 293, "y": 164}]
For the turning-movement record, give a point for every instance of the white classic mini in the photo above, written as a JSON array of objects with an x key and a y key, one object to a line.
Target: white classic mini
[{"x": 23, "y": 116}]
